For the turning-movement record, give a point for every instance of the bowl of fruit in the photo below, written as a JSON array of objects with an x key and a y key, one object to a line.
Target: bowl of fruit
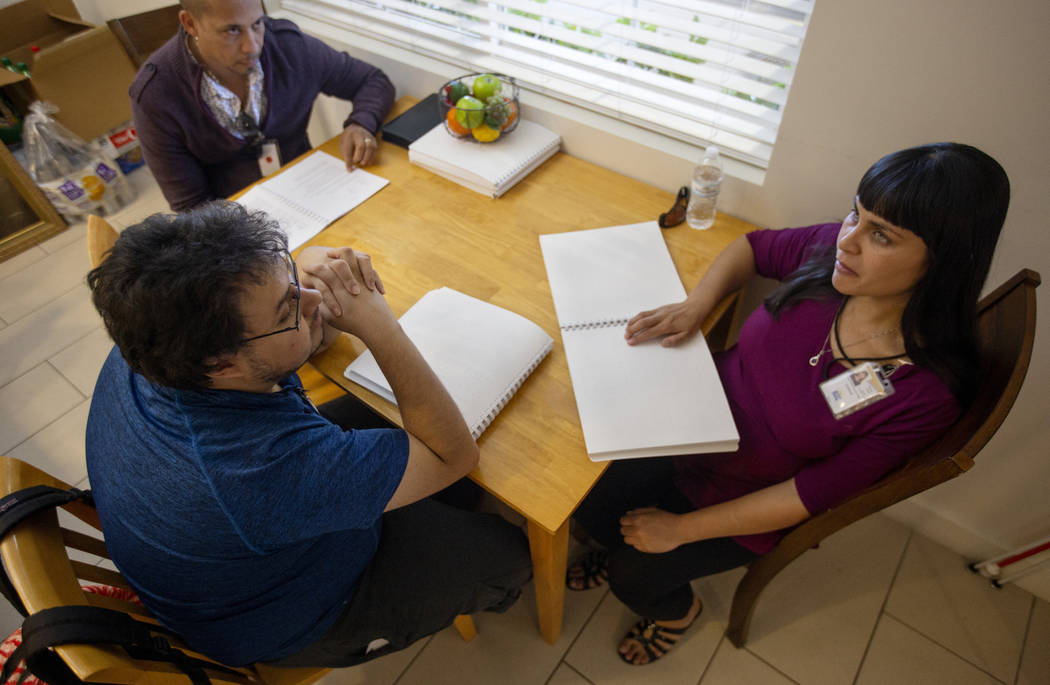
[{"x": 480, "y": 107}]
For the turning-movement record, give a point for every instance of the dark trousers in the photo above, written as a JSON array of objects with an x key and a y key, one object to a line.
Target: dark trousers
[
  {"x": 652, "y": 585},
  {"x": 434, "y": 562}
]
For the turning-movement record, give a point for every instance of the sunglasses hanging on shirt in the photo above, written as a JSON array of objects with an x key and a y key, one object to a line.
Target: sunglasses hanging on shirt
[{"x": 266, "y": 150}]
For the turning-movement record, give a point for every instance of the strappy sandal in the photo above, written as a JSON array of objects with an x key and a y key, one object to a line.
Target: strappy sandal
[
  {"x": 591, "y": 571},
  {"x": 646, "y": 633}
]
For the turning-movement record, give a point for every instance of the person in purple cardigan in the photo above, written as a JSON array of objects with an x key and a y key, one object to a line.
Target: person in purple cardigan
[
  {"x": 896, "y": 284},
  {"x": 228, "y": 98}
]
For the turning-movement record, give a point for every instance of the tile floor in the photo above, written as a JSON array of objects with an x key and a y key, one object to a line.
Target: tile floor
[{"x": 874, "y": 604}]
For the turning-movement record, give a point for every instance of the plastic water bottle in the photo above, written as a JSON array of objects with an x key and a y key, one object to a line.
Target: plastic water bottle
[{"x": 707, "y": 181}]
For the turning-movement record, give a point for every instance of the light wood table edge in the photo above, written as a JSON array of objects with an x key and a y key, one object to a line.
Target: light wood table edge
[{"x": 548, "y": 544}]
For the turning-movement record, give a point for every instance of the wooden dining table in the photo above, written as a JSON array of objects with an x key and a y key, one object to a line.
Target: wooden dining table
[{"x": 424, "y": 232}]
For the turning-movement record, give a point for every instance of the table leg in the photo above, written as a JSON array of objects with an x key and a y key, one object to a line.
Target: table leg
[{"x": 549, "y": 558}]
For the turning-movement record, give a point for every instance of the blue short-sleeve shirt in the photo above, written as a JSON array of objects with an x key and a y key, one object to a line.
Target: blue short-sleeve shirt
[{"x": 243, "y": 520}]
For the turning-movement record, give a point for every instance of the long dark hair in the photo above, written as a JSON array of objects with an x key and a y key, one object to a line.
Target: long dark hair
[
  {"x": 169, "y": 289},
  {"x": 954, "y": 197}
]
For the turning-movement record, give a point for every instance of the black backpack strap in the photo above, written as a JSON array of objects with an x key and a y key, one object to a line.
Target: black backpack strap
[
  {"x": 96, "y": 625},
  {"x": 17, "y": 506}
]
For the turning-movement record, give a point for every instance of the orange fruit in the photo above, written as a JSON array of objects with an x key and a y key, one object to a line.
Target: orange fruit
[
  {"x": 453, "y": 125},
  {"x": 512, "y": 112}
]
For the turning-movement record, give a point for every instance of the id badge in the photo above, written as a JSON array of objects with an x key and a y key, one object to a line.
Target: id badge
[
  {"x": 856, "y": 388},
  {"x": 269, "y": 158}
]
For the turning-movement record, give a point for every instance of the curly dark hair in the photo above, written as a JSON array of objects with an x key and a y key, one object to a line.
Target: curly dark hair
[
  {"x": 168, "y": 290},
  {"x": 955, "y": 198}
]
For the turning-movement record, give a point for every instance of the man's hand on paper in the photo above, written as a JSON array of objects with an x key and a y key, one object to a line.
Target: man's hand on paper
[
  {"x": 351, "y": 290},
  {"x": 651, "y": 530},
  {"x": 677, "y": 322},
  {"x": 358, "y": 146}
]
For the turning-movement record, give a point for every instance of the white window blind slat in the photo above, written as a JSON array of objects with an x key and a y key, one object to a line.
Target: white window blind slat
[{"x": 704, "y": 71}]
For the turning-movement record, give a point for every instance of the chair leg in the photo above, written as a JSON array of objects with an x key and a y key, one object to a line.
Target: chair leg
[{"x": 465, "y": 625}]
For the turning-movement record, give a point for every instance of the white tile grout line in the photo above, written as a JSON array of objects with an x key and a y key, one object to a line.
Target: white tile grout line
[
  {"x": 882, "y": 607},
  {"x": 947, "y": 649},
  {"x": 57, "y": 418},
  {"x": 48, "y": 360},
  {"x": 568, "y": 666},
  {"x": 66, "y": 378},
  {"x": 767, "y": 663},
  {"x": 583, "y": 627},
  {"x": 40, "y": 306},
  {"x": 1024, "y": 639},
  {"x": 884, "y": 612},
  {"x": 412, "y": 661}
]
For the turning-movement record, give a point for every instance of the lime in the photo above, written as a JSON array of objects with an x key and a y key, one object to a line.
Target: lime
[
  {"x": 470, "y": 112},
  {"x": 487, "y": 85},
  {"x": 456, "y": 90}
]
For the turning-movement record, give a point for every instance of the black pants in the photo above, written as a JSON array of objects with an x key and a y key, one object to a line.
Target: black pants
[
  {"x": 434, "y": 562},
  {"x": 652, "y": 585}
]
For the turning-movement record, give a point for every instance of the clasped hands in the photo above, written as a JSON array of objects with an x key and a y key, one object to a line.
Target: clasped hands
[{"x": 351, "y": 290}]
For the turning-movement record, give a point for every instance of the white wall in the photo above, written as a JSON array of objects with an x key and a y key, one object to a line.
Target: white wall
[{"x": 873, "y": 78}]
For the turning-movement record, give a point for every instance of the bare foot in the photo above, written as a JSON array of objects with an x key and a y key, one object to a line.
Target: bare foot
[{"x": 649, "y": 640}]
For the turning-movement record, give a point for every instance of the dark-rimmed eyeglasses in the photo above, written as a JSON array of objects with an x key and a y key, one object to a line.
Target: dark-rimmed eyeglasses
[
  {"x": 676, "y": 214},
  {"x": 293, "y": 274}
]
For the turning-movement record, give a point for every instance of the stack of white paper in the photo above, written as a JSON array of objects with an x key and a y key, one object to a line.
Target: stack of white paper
[
  {"x": 306, "y": 197},
  {"x": 490, "y": 168}
]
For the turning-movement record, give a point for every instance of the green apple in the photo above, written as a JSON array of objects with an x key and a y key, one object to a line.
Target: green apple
[
  {"x": 487, "y": 85},
  {"x": 470, "y": 112}
]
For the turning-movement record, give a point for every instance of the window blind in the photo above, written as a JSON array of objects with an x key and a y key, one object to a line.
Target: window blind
[{"x": 703, "y": 71}]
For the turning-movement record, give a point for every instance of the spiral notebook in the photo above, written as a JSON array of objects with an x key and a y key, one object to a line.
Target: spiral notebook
[
  {"x": 634, "y": 401},
  {"x": 490, "y": 168},
  {"x": 308, "y": 196},
  {"x": 482, "y": 353}
]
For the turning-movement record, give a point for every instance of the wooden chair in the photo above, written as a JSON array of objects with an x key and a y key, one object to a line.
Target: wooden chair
[
  {"x": 37, "y": 558},
  {"x": 1006, "y": 329},
  {"x": 100, "y": 237}
]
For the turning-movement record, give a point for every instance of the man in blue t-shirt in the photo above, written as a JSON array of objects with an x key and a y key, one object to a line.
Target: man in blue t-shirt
[{"x": 248, "y": 521}]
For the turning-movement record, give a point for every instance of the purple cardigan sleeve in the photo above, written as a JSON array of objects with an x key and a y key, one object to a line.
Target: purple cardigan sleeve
[
  {"x": 178, "y": 172},
  {"x": 351, "y": 79}
]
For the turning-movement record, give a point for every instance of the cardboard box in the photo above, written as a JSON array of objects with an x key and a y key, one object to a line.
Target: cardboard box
[{"x": 81, "y": 68}]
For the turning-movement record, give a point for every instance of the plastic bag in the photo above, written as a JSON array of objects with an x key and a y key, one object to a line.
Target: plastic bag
[{"x": 75, "y": 179}]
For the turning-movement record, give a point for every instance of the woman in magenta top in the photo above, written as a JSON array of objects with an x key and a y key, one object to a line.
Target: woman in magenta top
[{"x": 896, "y": 283}]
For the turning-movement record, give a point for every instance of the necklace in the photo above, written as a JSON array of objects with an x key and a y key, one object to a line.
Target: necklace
[{"x": 815, "y": 359}]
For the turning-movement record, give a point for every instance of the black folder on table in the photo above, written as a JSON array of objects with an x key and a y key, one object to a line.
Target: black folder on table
[{"x": 405, "y": 128}]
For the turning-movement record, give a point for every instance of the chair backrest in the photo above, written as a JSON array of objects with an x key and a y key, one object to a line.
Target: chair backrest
[
  {"x": 100, "y": 237},
  {"x": 143, "y": 33},
  {"x": 36, "y": 554},
  {"x": 1006, "y": 330}
]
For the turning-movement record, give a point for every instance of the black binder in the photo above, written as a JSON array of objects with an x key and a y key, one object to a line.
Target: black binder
[{"x": 405, "y": 128}]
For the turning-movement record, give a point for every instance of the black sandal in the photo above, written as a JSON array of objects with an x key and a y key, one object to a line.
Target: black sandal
[
  {"x": 646, "y": 633},
  {"x": 592, "y": 571}
]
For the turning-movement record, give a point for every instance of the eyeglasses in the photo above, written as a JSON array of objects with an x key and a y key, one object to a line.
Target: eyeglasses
[
  {"x": 293, "y": 274},
  {"x": 676, "y": 215}
]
